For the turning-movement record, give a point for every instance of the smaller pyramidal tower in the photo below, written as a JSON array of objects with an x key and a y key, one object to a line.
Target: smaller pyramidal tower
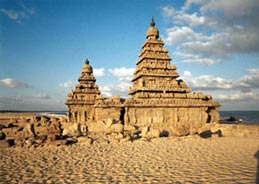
[{"x": 81, "y": 100}]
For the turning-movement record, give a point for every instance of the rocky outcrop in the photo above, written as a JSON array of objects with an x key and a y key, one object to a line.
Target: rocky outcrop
[
  {"x": 31, "y": 131},
  {"x": 40, "y": 131}
]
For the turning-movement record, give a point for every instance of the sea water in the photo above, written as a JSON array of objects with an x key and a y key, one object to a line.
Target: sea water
[{"x": 246, "y": 116}]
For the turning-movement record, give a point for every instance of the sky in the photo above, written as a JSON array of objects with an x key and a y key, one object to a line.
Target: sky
[{"x": 44, "y": 44}]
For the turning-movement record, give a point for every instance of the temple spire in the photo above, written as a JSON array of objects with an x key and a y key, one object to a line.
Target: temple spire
[
  {"x": 87, "y": 61},
  {"x": 152, "y": 24},
  {"x": 152, "y": 32}
]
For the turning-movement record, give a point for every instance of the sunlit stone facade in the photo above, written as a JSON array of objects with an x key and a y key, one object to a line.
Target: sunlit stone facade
[{"x": 158, "y": 98}]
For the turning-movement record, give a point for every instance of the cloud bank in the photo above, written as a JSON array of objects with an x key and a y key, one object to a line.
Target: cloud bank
[
  {"x": 215, "y": 32},
  {"x": 243, "y": 89}
]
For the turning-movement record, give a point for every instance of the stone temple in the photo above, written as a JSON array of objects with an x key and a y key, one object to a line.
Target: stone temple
[{"x": 158, "y": 99}]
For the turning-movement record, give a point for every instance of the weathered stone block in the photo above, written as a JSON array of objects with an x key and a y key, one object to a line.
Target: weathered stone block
[
  {"x": 116, "y": 128},
  {"x": 129, "y": 128},
  {"x": 84, "y": 140},
  {"x": 153, "y": 133},
  {"x": 144, "y": 131},
  {"x": 180, "y": 131},
  {"x": 99, "y": 126},
  {"x": 72, "y": 129}
]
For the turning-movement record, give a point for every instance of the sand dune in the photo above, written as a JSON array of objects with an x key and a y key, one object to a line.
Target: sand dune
[{"x": 164, "y": 160}]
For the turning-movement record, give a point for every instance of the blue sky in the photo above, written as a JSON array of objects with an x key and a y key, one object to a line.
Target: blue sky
[{"x": 43, "y": 45}]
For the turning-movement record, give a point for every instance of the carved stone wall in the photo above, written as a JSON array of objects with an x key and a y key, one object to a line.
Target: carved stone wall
[{"x": 166, "y": 119}]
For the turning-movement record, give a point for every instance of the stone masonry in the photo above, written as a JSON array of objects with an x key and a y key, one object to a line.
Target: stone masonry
[{"x": 158, "y": 99}]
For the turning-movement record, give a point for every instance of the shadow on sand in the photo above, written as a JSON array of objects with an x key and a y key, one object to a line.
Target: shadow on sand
[{"x": 257, "y": 173}]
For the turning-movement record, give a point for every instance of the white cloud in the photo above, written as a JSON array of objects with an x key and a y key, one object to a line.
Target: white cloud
[
  {"x": 99, "y": 72},
  {"x": 123, "y": 77},
  {"x": 246, "y": 9},
  {"x": 176, "y": 35},
  {"x": 192, "y": 58},
  {"x": 187, "y": 74},
  {"x": 168, "y": 11},
  {"x": 238, "y": 96},
  {"x": 250, "y": 80},
  {"x": 188, "y": 4},
  {"x": 180, "y": 17},
  {"x": 245, "y": 83},
  {"x": 121, "y": 72},
  {"x": 191, "y": 19},
  {"x": 13, "y": 83},
  {"x": 120, "y": 88},
  {"x": 206, "y": 82},
  {"x": 106, "y": 90},
  {"x": 11, "y": 14},
  {"x": 206, "y": 61},
  {"x": 18, "y": 15},
  {"x": 223, "y": 45},
  {"x": 67, "y": 84}
]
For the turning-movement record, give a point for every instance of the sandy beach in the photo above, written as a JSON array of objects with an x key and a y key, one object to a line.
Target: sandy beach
[{"x": 163, "y": 160}]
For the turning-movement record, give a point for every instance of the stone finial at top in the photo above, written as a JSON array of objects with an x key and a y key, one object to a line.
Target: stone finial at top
[
  {"x": 152, "y": 32},
  {"x": 87, "y": 61},
  {"x": 87, "y": 68},
  {"x": 152, "y": 24}
]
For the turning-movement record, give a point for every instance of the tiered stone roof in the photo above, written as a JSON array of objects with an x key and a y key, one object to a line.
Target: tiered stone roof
[
  {"x": 86, "y": 90},
  {"x": 155, "y": 81},
  {"x": 154, "y": 74}
]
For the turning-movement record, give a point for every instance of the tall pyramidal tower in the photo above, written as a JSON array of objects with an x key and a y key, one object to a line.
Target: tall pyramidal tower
[
  {"x": 161, "y": 100},
  {"x": 154, "y": 76}
]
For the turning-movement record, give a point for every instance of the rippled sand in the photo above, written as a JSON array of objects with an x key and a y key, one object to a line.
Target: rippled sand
[{"x": 164, "y": 160}]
